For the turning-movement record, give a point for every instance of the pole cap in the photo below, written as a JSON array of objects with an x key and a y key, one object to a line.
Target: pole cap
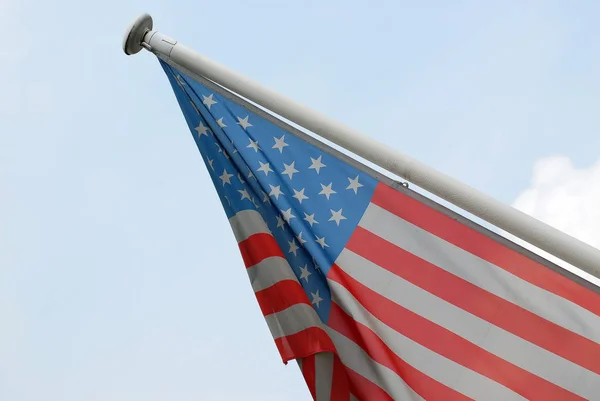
[{"x": 132, "y": 41}]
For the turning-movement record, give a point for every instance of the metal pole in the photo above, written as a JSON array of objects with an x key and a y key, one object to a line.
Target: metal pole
[{"x": 579, "y": 254}]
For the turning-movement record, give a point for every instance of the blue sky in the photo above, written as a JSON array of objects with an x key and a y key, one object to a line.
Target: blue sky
[{"x": 119, "y": 275}]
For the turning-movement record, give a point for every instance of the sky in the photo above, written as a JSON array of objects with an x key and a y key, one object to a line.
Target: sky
[{"x": 120, "y": 277}]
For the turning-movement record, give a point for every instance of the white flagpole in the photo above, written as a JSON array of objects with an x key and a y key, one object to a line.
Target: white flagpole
[{"x": 583, "y": 256}]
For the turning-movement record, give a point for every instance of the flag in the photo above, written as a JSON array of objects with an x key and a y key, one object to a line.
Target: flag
[{"x": 376, "y": 291}]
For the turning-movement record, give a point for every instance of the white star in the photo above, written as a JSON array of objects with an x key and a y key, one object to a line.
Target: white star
[
  {"x": 317, "y": 164},
  {"x": 202, "y": 130},
  {"x": 221, "y": 123},
  {"x": 316, "y": 299},
  {"x": 180, "y": 80},
  {"x": 289, "y": 170},
  {"x": 287, "y": 215},
  {"x": 240, "y": 178},
  {"x": 280, "y": 143},
  {"x": 244, "y": 122},
  {"x": 221, "y": 150},
  {"x": 226, "y": 178},
  {"x": 354, "y": 184},
  {"x": 251, "y": 174},
  {"x": 293, "y": 247},
  {"x": 228, "y": 201},
  {"x": 305, "y": 273},
  {"x": 300, "y": 195},
  {"x": 310, "y": 219},
  {"x": 256, "y": 205},
  {"x": 317, "y": 268},
  {"x": 210, "y": 163},
  {"x": 245, "y": 194},
  {"x": 275, "y": 191},
  {"x": 264, "y": 167},
  {"x": 208, "y": 101},
  {"x": 327, "y": 190},
  {"x": 321, "y": 241},
  {"x": 266, "y": 197},
  {"x": 280, "y": 222},
  {"x": 253, "y": 145},
  {"x": 336, "y": 216},
  {"x": 300, "y": 239}
]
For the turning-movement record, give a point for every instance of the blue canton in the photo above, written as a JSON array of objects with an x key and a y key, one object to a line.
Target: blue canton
[{"x": 310, "y": 200}]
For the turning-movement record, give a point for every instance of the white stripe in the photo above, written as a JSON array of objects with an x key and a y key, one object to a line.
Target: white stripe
[
  {"x": 355, "y": 358},
  {"x": 480, "y": 272},
  {"x": 323, "y": 376},
  {"x": 270, "y": 271},
  {"x": 500, "y": 342},
  {"x": 353, "y": 398},
  {"x": 247, "y": 223},
  {"x": 438, "y": 367},
  {"x": 292, "y": 320}
]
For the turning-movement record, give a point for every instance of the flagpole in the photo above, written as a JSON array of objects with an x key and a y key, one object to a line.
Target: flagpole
[{"x": 583, "y": 256}]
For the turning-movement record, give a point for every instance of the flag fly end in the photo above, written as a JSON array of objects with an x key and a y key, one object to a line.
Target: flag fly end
[{"x": 132, "y": 41}]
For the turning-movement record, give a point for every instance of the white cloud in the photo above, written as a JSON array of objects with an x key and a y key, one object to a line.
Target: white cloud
[{"x": 567, "y": 198}]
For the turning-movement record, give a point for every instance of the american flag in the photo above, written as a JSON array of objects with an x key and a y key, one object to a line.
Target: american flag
[{"x": 378, "y": 293}]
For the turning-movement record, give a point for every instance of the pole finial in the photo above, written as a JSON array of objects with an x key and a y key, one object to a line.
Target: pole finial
[{"x": 132, "y": 41}]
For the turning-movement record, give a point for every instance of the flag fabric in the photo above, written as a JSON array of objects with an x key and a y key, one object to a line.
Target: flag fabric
[{"x": 377, "y": 293}]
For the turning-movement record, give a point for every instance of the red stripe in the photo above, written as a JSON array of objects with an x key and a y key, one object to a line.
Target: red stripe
[
  {"x": 281, "y": 296},
  {"x": 308, "y": 371},
  {"x": 366, "y": 338},
  {"x": 364, "y": 389},
  {"x": 448, "y": 344},
  {"x": 481, "y": 245},
  {"x": 477, "y": 301},
  {"x": 258, "y": 247},
  {"x": 340, "y": 389},
  {"x": 304, "y": 343}
]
